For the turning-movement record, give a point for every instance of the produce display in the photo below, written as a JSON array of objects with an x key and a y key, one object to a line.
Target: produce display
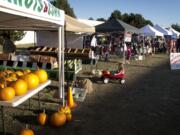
[{"x": 17, "y": 83}]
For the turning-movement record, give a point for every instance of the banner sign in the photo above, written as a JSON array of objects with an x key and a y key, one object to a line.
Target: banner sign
[
  {"x": 39, "y": 8},
  {"x": 175, "y": 61},
  {"x": 127, "y": 37}
]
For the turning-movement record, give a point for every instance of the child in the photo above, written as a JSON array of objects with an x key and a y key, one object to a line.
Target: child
[{"x": 120, "y": 69}]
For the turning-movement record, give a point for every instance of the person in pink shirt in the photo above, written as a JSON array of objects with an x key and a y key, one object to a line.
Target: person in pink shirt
[{"x": 128, "y": 54}]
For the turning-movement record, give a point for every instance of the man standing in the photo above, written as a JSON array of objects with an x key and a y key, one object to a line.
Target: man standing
[{"x": 178, "y": 44}]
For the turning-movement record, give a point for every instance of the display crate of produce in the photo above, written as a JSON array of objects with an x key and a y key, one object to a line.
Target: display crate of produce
[
  {"x": 5, "y": 56},
  {"x": 79, "y": 94},
  {"x": 20, "y": 58},
  {"x": 74, "y": 65},
  {"x": 77, "y": 53},
  {"x": 43, "y": 50}
]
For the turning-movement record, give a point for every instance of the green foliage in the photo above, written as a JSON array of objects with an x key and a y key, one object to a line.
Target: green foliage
[
  {"x": 136, "y": 20},
  {"x": 90, "y": 18},
  {"x": 64, "y": 5},
  {"x": 115, "y": 14},
  {"x": 176, "y": 27},
  {"x": 101, "y": 19},
  {"x": 14, "y": 35}
]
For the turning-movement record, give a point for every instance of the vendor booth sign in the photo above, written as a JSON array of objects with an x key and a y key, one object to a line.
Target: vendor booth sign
[
  {"x": 36, "y": 9},
  {"x": 175, "y": 61},
  {"x": 127, "y": 37}
]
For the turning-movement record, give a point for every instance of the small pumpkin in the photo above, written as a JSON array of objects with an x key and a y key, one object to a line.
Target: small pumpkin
[
  {"x": 20, "y": 87},
  {"x": 26, "y": 131},
  {"x": 42, "y": 75},
  {"x": 58, "y": 119},
  {"x": 42, "y": 118},
  {"x": 7, "y": 94},
  {"x": 32, "y": 81}
]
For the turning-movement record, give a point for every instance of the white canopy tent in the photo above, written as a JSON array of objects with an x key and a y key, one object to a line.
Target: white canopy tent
[
  {"x": 174, "y": 31},
  {"x": 150, "y": 31},
  {"x": 163, "y": 30},
  {"x": 35, "y": 15}
]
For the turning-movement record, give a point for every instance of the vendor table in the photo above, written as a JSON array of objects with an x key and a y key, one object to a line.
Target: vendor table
[{"x": 20, "y": 99}]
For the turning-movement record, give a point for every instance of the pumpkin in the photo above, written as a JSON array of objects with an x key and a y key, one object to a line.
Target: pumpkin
[
  {"x": 42, "y": 75},
  {"x": 42, "y": 118},
  {"x": 20, "y": 87},
  {"x": 32, "y": 81},
  {"x": 7, "y": 93},
  {"x": 58, "y": 119},
  {"x": 26, "y": 131}
]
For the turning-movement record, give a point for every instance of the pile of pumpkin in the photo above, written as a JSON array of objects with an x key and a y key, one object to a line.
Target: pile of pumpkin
[
  {"x": 57, "y": 119},
  {"x": 18, "y": 83}
]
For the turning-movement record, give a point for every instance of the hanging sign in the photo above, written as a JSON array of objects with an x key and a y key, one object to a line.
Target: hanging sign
[
  {"x": 175, "y": 61},
  {"x": 37, "y": 8},
  {"x": 127, "y": 37}
]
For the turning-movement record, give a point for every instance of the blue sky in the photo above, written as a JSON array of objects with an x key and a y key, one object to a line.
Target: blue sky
[{"x": 162, "y": 12}]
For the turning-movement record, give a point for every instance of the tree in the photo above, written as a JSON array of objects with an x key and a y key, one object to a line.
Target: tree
[
  {"x": 14, "y": 35},
  {"x": 101, "y": 19},
  {"x": 115, "y": 14},
  {"x": 90, "y": 18},
  {"x": 176, "y": 26},
  {"x": 64, "y": 5}
]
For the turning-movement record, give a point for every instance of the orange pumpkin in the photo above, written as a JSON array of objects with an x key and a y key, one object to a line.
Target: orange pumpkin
[
  {"x": 42, "y": 75},
  {"x": 32, "y": 81},
  {"x": 20, "y": 87},
  {"x": 7, "y": 93},
  {"x": 58, "y": 119},
  {"x": 42, "y": 118},
  {"x": 26, "y": 131}
]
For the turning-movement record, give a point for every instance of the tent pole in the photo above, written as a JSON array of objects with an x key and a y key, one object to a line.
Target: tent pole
[
  {"x": 62, "y": 64},
  {"x": 59, "y": 61}
]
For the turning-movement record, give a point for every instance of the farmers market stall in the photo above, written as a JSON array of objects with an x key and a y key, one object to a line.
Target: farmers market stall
[{"x": 34, "y": 15}]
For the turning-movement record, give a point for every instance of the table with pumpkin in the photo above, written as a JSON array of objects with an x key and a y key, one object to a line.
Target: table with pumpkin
[{"x": 18, "y": 86}]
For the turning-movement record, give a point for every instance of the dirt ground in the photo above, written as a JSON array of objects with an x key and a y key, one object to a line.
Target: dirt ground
[{"x": 147, "y": 104}]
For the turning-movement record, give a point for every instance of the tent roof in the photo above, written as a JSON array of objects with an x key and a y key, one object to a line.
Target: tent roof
[
  {"x": 36, "y": 15},
  {"x": 150, "y": 31},
  {"x": 91, "y": 22},
  {"x": 163, "y": 30},
  {"x": 75, "y": 25},
  {"x": 174, "y": 31},
  {"x": 116, "y": 25}
]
